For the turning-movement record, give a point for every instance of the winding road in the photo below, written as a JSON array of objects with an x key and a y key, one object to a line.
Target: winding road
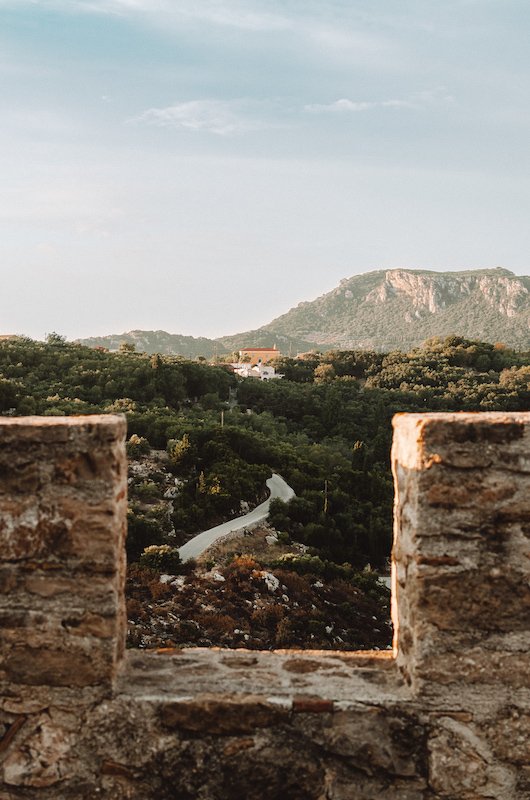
[{"x": 278, "y": 489}]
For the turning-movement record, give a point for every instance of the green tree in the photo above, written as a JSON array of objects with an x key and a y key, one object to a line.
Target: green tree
[
  {"x": 127, "y": 347},
  {"x": 324, "y": 373}
]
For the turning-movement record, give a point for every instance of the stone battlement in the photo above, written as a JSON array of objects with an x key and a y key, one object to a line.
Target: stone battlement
[{"x": 446, "y": 716}]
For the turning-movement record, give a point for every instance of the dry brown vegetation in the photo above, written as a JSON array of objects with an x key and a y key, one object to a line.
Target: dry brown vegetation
[{"x": 236, "y": 600}]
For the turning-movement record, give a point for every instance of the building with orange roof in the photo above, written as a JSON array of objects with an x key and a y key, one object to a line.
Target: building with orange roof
[{"x": 258, "y": 355}]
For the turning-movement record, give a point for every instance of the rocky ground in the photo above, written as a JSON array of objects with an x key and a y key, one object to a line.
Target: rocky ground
[{"x": 256, "y": 592}]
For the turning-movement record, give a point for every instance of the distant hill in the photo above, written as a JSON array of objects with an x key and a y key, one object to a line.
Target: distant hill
[
  {"x": 157, "y": 342},
  {"x": 382, "y": 310},
  {"x": 192, "y": 347}
]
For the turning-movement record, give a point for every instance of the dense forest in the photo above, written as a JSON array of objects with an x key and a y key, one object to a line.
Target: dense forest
[{"x": 325, "y": 427}]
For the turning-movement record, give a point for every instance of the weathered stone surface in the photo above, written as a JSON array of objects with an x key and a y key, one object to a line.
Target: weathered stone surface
[
  {"x": 446, "y": 717},
  {"x": 113, "y": 768},
  {"x": 461, "y": 564},
  {"x": 478, "y": 665},
  {"x": 510, "y": 735},
  {"x": 62, "y": 529},
  {"x": 312, "y": 705},
  {"x": 359, "y": 787},
  {"x": 461, "y": 764},
  {"x": 38, "y": 758},
  {"x": 10, "y": 731},
  {"x": 58, "y": 667},
  {"x": 376, "y": 742},
  {"x": 221, "y": 716},
  {"x": 490, "y": 603}
]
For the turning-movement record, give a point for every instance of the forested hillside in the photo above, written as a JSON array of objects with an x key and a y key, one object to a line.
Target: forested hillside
[
  {"x": 196, "y": 460},
  {"x": 400, "y": 308}
]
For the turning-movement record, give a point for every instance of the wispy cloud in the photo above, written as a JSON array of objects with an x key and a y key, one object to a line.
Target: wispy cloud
[
  {"x": 105, "y": 7},
  {"x": 345, "y": 105},
  {"x": 312, "y": 20},
  {"x": 244, "y": 115},
  {"x": 235, "y": 15},
  {"x": 119, "y": 7},
  {"x": 220, "y": 117},
  {"x": 232, "y": 13},
  {"x": 417, "y": 100}
]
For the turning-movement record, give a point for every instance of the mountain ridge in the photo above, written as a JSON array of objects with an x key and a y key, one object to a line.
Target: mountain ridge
[{"x": 379, "y": 310}]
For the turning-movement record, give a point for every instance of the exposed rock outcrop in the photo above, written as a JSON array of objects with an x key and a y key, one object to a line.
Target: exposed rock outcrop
[{"x": 400, "y": 308}]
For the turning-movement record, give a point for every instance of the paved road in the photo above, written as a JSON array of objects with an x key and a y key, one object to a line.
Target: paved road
[{"x": 202, "y": 541}]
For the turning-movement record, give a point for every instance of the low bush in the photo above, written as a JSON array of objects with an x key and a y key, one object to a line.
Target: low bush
[{"x": 162, "y": 558}]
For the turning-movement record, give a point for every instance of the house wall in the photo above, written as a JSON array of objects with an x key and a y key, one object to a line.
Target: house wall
[
  {"x": 259, "y": 355},
  {"x": 445, "y": 716}
]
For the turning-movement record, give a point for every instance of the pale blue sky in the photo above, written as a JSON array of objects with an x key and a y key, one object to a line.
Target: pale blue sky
[{"x": 203, "y": 165}]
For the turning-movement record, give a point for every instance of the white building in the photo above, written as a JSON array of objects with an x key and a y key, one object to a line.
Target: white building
[{"x": 259, "y": 371}]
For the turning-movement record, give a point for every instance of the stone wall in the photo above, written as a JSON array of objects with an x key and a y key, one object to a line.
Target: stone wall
[{"x": 444, "y": 717}]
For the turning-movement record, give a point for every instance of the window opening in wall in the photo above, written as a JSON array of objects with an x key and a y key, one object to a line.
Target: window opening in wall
[{"x": 310, "y": 568}]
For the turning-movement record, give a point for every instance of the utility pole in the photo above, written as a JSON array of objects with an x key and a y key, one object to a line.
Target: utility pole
[
  {"x": 325, "y": 496},
  {"x": 222, "y": 418}
]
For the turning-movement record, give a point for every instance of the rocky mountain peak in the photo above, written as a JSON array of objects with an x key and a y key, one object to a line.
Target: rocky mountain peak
[
  {"x": 431, "y": 292},
  {"x": 401, "y": 308}
]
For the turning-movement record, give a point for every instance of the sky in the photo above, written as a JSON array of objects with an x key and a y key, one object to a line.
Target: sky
[{"x": 201, "y": 166}]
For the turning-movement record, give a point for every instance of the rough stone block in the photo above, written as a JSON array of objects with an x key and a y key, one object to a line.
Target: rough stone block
[
  {"x": 62, "y": 532},
  {"x": 461, "y": 558}
]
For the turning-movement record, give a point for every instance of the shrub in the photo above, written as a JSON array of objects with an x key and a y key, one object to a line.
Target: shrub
[
  {"x": 135, "y": 610},
  {"x": 137, "y": 446},
  {"x": 268, "y": 616},
  {"x": 240, "y": 569},
  {"x": 162, "y": 558},
  {"x": 147, "y": 491},
  {"x": 142, "y": 530},
  {"x": 284, "y": 632}
]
